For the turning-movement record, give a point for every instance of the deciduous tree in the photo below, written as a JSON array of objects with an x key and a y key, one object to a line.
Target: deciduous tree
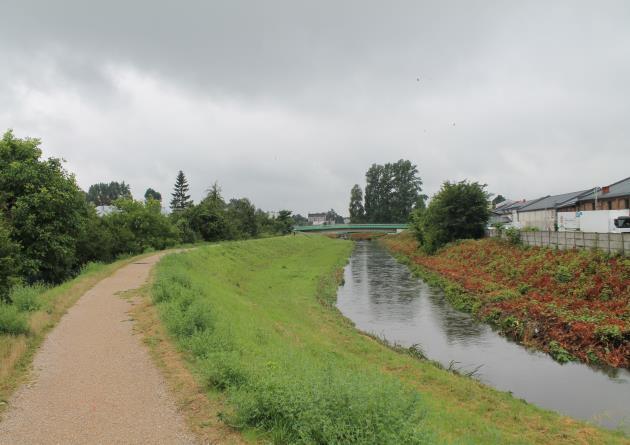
[
  {"x": 44, "y": 207},
  {"x": 391, "y": 192},
  {"x": 152, "y": 194},
  {"x": 103, "y": 194},
  {"x": 357, "y": 212}
]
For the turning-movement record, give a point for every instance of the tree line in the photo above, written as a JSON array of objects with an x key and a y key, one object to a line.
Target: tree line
[{"x": 49, "y": 227}]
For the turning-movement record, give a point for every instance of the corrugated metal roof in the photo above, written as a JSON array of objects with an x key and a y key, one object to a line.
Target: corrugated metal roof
[
  {"x": 551, "y": 202},
  {"x": 619, "y": 188},
  {"x": 515, "y": 205},
  {"x": 527, "y": 203}
]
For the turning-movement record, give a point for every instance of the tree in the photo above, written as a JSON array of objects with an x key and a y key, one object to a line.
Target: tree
[
  {"x": 9, "y": 268},
  {"x": 209, "y": 217},
  {"x": 152, "y": 194},
  {"x": 241, "y": 215},
  {"x": 406, "y": 187},
  {"x": 284, "y": 222},
  {"x": 299, "y": 220},
  {"x": 181, "y": 198},
  {"x": 392, "y": 191},
  {"x": 103, "y": 194},
  {"x": 333, "y": 218},
  {"x": 44, "y": 207},
  {"x": 497, "y": 200},
  {"x": 458, "y": 211},
  {"x": 264, "y": 222},
  {"x": 357, "y": 212},
  {"x": 137, "y": 226}
]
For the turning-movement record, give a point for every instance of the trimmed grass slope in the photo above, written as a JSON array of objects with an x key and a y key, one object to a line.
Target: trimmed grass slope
[{"x": 254, "y": 320}]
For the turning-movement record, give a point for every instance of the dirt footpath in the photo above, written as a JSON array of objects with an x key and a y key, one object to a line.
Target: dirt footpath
[{"x": 93, "y": 380}]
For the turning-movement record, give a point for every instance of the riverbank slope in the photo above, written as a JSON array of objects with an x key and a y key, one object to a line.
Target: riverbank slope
[
  {"x": 571, "y": 304},
  {"x": 256, "y": 323}
]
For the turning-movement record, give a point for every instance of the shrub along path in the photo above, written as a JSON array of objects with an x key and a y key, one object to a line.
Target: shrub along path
[{"x": 94, "y": 382}]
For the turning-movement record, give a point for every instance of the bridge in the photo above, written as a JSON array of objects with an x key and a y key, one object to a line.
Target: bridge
[{"x": 352, "y": 228}]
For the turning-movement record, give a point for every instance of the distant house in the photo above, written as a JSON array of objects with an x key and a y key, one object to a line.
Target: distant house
[
  {"x": 105, "y": 210},
  {"x": 501, "y": 213},
  {"x": 317, "y": 219},
  {"x": 508, "y": 212},
  {"x": 541, "y": 213},
  {"x": 611, "y": 197}
]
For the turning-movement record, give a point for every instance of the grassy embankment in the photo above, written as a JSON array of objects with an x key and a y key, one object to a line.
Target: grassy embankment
[
  {"x": 34, "y": 312},
  {"x": 256, "y": 324},
  {"x": 573, "y": 304}
]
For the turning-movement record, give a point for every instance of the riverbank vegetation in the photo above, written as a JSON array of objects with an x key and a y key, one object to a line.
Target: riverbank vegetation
[
  {"x": 573, "y": 304},
  {"x": 256, "y": 323}
]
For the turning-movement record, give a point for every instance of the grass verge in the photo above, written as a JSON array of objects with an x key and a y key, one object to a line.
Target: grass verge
[
  {"x": 199, "y": 406},
  {"x": 255, "y": 323}
]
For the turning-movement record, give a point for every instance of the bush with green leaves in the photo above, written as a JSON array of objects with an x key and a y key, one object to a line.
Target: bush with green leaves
[
  {"x": 513, "y": 235},
  {"x": 459, "y": 210},
  {"x": 137, "y": 226}
]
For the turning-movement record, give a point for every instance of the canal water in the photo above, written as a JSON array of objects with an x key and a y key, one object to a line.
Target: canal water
[{"x": 382, "y": 297}]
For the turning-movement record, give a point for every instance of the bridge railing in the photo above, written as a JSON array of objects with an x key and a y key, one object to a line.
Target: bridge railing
[{"x": 350, "y": 227}]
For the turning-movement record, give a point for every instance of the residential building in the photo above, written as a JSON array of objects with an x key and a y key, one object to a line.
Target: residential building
[
  {"x": 541, "y": 213},
  {"x": 317, "y": 219},
  {"x": 611, "y": 197}
]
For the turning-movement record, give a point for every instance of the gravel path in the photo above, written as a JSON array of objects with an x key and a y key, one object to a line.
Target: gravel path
[{"x": 93, "y": 381}]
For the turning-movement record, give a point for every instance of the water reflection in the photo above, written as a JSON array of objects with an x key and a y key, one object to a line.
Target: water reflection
[{"x": 381, "y": 296}]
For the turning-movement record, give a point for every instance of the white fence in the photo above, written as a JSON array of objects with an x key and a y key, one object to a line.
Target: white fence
[{"x": 608, "y": 242}]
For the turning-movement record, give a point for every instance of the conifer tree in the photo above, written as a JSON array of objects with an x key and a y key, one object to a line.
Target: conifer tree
[{"x": 181, "y": 198}]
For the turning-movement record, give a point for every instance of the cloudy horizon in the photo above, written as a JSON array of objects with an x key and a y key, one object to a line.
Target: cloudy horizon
[{"x": 289, "y": 103}]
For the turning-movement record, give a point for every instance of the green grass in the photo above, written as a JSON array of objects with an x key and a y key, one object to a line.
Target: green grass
[{"x": 255, "y": 320}]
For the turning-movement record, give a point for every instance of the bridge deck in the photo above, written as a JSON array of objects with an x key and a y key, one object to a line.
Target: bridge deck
[{"x": 351, "y": 228}]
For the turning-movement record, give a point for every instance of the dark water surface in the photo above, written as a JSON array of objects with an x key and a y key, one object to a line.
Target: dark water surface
[{"x": 382, "y": 297}]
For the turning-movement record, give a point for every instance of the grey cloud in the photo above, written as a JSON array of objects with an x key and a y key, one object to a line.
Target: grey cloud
[{"x": 290, "y": 102}]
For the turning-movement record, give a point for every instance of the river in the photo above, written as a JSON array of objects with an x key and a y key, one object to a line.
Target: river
[{"x": 382, "y": 297}]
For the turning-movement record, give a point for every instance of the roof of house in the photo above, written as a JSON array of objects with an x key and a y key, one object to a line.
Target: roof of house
[
  {"x": 552, "y": 202},
  {"x": 619, "y": 188},
  {"x": 504, "y": 204},
  {"x": 518, "y": 205},
  {"x": 105, "y": 210},
  {"x": 316, "y": 215}
]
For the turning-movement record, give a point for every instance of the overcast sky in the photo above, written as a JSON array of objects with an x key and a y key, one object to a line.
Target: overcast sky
[{"x": 288, "y": 103}]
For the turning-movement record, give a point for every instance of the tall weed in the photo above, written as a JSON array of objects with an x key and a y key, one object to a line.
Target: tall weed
[{"x": 12, "y": 321}]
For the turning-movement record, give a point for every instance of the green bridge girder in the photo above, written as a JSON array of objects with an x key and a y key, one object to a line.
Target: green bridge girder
[{"x": 350, "y": 228}]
